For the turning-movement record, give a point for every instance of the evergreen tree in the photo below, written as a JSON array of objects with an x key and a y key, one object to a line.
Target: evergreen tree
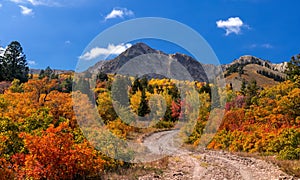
[
  {"x": 293, "y": 67},
  {"x": 230, "y": 87},
  {"x": 174, "y": 92},
  {"x": 143, "y": 107},
  {"x": 48, "y": 72},
  {"x": 66, "y": 85},
  {"x": 144, "y": 83},
  {"x": 251, "y": 93},
  {"x": 136, "y": 85},
  {"x": 42, "y": 74},
  {"x": 102, "y": 76},
  {"x": 150, "y": 89},
  {"x": 243, "y": 87},
  {"x": 13, "y": 64},
  {"x": 2, "y": 70},
  {"x": 240, "y": 70},
  {"x": 206, "y": 88},
  {"x": 252, "y": 88}
]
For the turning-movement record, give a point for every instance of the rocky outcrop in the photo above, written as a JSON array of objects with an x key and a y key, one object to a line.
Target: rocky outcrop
[
  {"x": 281, "y": 67},
  {"x": 248, "y": 59}
]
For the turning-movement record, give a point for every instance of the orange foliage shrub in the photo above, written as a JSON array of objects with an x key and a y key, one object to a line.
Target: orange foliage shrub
[{"x": 54, "y": 155}]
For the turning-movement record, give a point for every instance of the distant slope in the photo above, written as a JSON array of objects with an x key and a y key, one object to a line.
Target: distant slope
[
  {"x": 245, "y": 67},
  {"x": 248, "y": 59},
  {"x": 57, "y": 71},
  {"x": 248, "y": 68}
]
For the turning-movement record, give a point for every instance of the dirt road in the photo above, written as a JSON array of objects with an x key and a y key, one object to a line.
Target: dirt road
[{"x": 206, "y": 164}]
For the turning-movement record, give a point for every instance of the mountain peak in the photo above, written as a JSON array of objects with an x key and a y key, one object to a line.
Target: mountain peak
[
  {"x": 141, "y": 45},
  {"x": 248, "y": 59},
  {"x": 139, "y": 49},
  {"x": 113, "y": 66}
]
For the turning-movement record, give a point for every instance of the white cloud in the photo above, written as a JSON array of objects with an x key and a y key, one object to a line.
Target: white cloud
[
  {"x": 67, "y": 42},
  {"x": 231, "y": 25},
  {"x": 31, "y": 63},
  {"x": 267, "y": 46},
  {"x": 0, "y": 5},
  {"x": 119, "y": 13},
  {"x": 252, "y": 46},
  {"x": 39, "y": 2},
  {"x": 26, "y": 11},
  {"x": 110, "y": 50},
  {"x": 18, "y": 1},
  {"x": 44, "y": 3}
]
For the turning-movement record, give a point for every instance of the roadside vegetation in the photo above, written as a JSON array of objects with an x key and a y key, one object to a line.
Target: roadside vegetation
[{"x": 41, "y": 138}]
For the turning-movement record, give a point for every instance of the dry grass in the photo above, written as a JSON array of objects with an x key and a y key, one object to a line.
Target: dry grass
[
  {"x": 250, "y": 73},
  {"x": 4, "y": 85},
  {"x": 137, "y": 170},
  {"x": 291, "y": 167}
]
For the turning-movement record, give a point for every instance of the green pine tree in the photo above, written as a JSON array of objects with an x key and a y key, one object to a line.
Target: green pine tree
[
  {"x": 293, "y": 67},
  {"x": 143, "y": 107},
  {"x": 243, "y": 87},
  {"x": 48, "y": 72},
  {"x": 251, "y": 93},
  {"x": 13, "y": 63}
]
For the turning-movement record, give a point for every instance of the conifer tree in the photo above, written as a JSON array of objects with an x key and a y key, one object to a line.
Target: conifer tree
[
  {"x": 143, "y": 108},
  {"x": 13, "y": 63}
]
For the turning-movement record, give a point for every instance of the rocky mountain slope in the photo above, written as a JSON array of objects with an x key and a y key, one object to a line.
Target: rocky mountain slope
[
  {"x": 250, "y": 68},
  {"x": 248, "y": 59},
  {"x": 244, "y": 68},
  {"x": 56, "y": 71},
  {"x": 112, "y": 66}
]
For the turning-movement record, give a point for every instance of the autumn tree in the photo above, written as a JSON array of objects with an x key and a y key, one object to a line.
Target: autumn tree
[
  {"x": 5, "y": 171},
  {"x": 135, "y": 101},
  {"x": 16, "y": 86},
  {"x": 40, "y": 88},
  {"x": 10, "y": 141},
  {"x": 105, "y": 107},
  {"x": 54, "y": 155},
  {"x": 293, "y": 67},
  {"x": 13, "y": 63}
]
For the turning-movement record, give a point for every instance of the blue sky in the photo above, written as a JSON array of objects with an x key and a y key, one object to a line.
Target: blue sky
[{"x": 55, "y": 32}]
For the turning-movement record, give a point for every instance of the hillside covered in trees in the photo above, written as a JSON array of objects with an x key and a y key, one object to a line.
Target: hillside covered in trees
[{"x": 41, "y": 138}]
